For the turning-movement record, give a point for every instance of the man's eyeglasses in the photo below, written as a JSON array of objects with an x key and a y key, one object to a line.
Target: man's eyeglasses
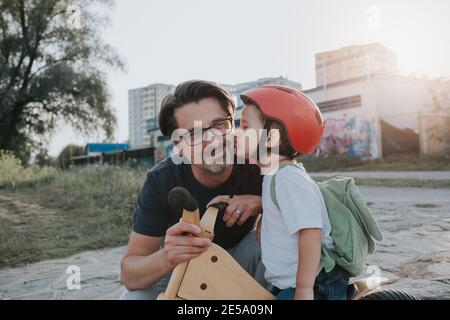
[{"x": 218, "y": 128}]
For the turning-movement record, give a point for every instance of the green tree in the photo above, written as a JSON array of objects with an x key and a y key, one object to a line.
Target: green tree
[
  {"x": 69, "y": 151},
  {"x": 53, "y": 65},
  {"x": 43, "y": 159}
]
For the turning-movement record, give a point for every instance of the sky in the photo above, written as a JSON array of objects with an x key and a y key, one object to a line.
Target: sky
[{"x": 233, "y": 41}]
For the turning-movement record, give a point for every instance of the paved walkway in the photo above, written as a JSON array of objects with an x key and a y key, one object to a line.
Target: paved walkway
[
  {"x": 420, "y": 175},
  {"x": 415, "y": 251},
  {"x": 99, "y": 274}
]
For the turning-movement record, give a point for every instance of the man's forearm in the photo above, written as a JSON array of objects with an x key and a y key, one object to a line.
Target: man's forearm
[{"x": 141, "y": 272}]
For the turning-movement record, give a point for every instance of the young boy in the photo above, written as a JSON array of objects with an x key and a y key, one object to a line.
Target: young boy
[{"x": 293, "y": 230}]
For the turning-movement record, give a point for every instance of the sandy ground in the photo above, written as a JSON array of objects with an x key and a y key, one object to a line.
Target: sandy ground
[{"x": 415, "y": 252}]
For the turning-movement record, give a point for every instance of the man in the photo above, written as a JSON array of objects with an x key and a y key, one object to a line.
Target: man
[{"x": 159, "y": 241}]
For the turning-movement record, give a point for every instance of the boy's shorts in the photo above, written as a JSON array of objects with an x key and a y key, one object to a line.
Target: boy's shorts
[{"x": 328, "y": 286}]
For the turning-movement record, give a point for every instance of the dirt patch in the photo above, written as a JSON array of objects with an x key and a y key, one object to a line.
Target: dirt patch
[
  {"x": 421, "y": 268},
  {"x": 427, "y": 205},
  {"x": 19, "y": 212},
  {"x": 7, "y": 208}
]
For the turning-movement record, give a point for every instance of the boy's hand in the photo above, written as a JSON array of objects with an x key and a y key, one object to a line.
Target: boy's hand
[{"x": 304, "y": 294}]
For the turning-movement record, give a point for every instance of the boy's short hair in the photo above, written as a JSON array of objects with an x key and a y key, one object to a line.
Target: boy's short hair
[{"x": 285, "y": 148}]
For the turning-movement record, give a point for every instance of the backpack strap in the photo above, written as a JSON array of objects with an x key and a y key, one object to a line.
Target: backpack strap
[
  {"x": 273, "y": 192},
  {"x": 325, "y": 258}
]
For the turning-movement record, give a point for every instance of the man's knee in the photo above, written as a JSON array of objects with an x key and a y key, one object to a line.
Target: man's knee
[
  {"x": 144, "y": 294},
  {"x": 151, "y": 293},
  {"x": 248, "y": 254}
]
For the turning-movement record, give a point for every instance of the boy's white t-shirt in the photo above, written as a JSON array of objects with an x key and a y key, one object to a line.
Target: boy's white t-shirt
[{"x": 301, "y": 206}]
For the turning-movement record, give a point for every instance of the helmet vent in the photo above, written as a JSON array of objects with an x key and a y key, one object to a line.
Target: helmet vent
[
  {"x": 285, "y": 89},
  {"x": 318, "y": 118}
]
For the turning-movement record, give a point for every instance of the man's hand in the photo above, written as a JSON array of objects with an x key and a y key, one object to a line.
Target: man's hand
[
  {"x": 180, "y": 244},
  {"x": 239, "y": 208}
]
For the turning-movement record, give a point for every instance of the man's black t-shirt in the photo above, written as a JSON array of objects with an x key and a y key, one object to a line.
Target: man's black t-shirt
[{"x": 153, "y": 215}]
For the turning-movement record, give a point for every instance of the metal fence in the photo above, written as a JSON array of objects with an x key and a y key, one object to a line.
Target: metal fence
[
  {"x": 434, "y": 129},
  {"x": 141, "y": 156}
]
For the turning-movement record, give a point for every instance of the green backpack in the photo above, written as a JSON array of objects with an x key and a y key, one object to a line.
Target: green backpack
[{"x": 353, "y": 228}]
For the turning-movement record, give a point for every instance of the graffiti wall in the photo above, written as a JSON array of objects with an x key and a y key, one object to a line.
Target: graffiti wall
[{"x": 352, "y": 136}]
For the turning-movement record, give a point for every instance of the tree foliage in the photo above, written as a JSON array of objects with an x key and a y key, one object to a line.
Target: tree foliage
[
  {"x": 53, "y": 64},
  {"x": 69, "y": 151}
]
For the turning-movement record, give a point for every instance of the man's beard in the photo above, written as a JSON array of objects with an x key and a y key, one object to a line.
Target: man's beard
[
  {"x": 218, "y": 163},
  {"x": 216, "y": 168}
]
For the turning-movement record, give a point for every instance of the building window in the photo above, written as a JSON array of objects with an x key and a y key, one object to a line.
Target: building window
[{"x": 339, "y": 104}]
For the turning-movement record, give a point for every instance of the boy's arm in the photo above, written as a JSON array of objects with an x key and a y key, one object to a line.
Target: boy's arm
[{"x": 309, "y": 249}]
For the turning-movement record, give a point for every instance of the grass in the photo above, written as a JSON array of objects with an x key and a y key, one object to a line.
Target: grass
[
  {"x": 404, "y": 183},
  {"x": 393, "y": 163},
  {"x": 81, "y": 209},
  {"x": 398, "y": 183}
]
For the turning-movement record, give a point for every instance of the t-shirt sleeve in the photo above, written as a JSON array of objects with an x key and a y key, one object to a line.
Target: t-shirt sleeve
[
  {"x": 299, "y": 203},
  {"x": 151, "y": 215}
]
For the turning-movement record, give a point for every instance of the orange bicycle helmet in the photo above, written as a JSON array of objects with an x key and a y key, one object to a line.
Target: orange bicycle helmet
[{"x": 297, "y": 113}]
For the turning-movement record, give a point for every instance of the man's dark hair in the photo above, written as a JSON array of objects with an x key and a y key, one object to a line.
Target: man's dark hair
[{"x": 187, "y": 92}]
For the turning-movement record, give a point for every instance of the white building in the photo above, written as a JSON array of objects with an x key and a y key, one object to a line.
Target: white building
[
  {"x": 360, "y": 91},
  {"x": 353, "y": 110},
  {"x": 143, "y": 107},
  {"x": 353, "y": 62}
]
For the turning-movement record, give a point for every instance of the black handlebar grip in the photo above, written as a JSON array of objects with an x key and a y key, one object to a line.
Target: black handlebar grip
[{"x": 179, "y": 198}]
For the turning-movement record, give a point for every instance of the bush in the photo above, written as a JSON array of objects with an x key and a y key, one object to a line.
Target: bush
[
  {"x": 13, "y": 174},
  {"x": 68, "y": 152}
]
